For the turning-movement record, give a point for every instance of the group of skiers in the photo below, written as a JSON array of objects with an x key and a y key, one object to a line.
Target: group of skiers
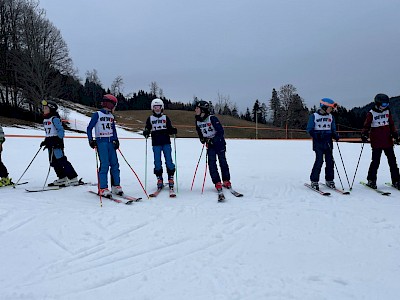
[{"x": 378, "y": 127}]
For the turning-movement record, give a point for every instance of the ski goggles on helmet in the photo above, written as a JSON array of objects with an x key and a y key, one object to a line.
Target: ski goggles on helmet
[
  {"x": 50, "y": 104},
  {"x": 384, "y": 104}
]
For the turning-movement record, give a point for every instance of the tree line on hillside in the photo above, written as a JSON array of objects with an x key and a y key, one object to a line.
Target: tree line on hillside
[{"x": 35, "y": 65}]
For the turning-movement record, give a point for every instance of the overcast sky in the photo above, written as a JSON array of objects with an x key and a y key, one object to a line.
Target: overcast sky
[{"x": 342, "y": 49}]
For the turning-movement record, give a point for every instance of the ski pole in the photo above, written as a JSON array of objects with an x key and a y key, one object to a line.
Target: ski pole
[
  {"x": 145, "y": 168},
  {"x": 362, "y": 147},
  {"x": 176, "y": 165},
  {"x": 27, "y": 167},
  {"x": 48, "y": 172},
  {"x": 134, "y": 173},
  {"x": 344, "y": 168},
  {"x": 98, "y": 176},
  {"x": 205, "y": 174},
  {"x": 195, "y": 171},
  {"x": 334, "y": 163}
]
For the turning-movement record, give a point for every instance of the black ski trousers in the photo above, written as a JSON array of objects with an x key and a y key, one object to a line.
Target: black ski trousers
[{"x": 376, "y": 159}]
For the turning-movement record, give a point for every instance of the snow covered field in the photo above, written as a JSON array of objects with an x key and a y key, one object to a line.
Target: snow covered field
[{"x": 280, "y": 241}]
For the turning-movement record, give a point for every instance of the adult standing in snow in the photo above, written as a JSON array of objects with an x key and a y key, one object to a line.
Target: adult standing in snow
[
  {"x": 55, "y": 144},
  {"x": 380, "y": 129},
  {"x": 4, "y": 179},
  {"x": 160, "y": 127},
  {"x": 211, "y": 133},
  {"x": 107, "y": 143},
  {"x": 322, "y": 128}
]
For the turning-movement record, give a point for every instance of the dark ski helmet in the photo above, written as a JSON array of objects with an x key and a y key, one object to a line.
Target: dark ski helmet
[
  {"x": 109, "y": 101},
  {"x": 324, "y": 103},
  {"x": 381, "y": 100},
  {"x": 50, "y": 104},
  {"x": 204, "y": 106}
]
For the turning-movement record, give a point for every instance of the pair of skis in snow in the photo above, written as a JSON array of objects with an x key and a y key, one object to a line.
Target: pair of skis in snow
[
  {"x": 323, "y": 193},
  {"x": 381, "y": 192},
  {"x": 221, "y": 196},
  {"x": 51, "y": 187},
  {"x": 125, "y": 199}
]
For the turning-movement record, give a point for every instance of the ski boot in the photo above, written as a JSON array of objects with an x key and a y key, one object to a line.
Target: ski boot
[
  {"x": 396, "y": 185},
  {"x": 227, "y": 184},
  {"x": 60, "y": 182},
  {"x": 171, "y": 182},
  {"x": 4, "y": 181},
  {"x": 117, "y": 190},
  {"x": 315, "y": 185},
  {"x": 160, "y": 183},
  {"x": 73, "y": 181},
  {"x": 104, "y": 193},
  {"x": 330, "y": 184},
  {"x": 372, "y": 184}
]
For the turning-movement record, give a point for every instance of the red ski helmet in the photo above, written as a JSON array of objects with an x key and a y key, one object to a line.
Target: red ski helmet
[{"x": 109, "y": 101}]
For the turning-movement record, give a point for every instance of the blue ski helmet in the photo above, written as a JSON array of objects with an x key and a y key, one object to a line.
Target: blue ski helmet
[{"x": 324, "y": 103}]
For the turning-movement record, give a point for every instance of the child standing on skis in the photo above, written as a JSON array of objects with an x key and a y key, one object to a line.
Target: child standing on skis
[
  {"x": 160, "y": 127},
  {"x": 55, "y": 144},
  {"x": 4, "y": 179},
  {"x": 107, "y": 143},
  {"x": 322, "y": 128},
  {"x": 380, "y": 127},
  {"x": 211, "y": 133}
]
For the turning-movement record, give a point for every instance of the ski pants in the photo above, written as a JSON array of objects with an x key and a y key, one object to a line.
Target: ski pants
[
  {"x": 3, "y": 169},
  {"x": 212, "y": 164},
  {"x": 108, "y": 161},
  {"x": 319, "y": 160},
  {"x": 167, "y": 150},
  {"x": 60, "y": 163},
  {"x": 376, "y": 159}
]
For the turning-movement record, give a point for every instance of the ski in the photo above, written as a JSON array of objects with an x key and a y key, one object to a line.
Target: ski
[
  {"x": 376, "y": 190},
  {"x": 221, "y": 196},
  {"x": 172, "y": 193},
  {"x": 129, "y": 199},
  {"x": 233, "y": 192},
  {"x": 14, "y": 185},
  {"x": 80, "y": 182},
  {"x": 155, "y": 194},
  {"x": 390, "y": 184},
  {"x": 318, "y": 191},
  {"x": 45, "y": 189},
  {"x": 337, "y": 190}
]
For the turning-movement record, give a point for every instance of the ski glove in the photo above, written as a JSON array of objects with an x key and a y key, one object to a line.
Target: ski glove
[
  {"x": 116, "y": 144},
  {"x": 364, "y": 138},
  {"x": 93, "y": 144},
  {"x": 146, "y": 133},
  {"x": 336, "y": 137},
  {"x": 43, "y": 144},
  {"x": 173, "y": 130}
]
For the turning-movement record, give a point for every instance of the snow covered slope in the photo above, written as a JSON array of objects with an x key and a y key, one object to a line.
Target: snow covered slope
[{"x": 280, "y": 241}]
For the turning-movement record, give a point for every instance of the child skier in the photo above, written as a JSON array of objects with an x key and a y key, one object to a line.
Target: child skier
[
  {"x": 160, "y": 127},
  {"x": 381, "y": 129},
  {"x": 107, "y": 144},
  {"x": 4, "y": 179},
  {"x": 211, "y": 133},
  {"x": 55, "y": 144},
  {"x": 322, "y": 128}
]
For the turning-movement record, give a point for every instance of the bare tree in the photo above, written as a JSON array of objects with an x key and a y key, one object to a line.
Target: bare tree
[
  {"x": 117, "y": 86},
  {"x": 154, "y": 88},
  {"x": 286, "y": 94},
  {"x": 39, "y": 55}
]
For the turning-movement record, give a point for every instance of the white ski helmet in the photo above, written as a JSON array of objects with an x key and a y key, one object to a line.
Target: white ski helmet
[{"x": 157, "y": 102}]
